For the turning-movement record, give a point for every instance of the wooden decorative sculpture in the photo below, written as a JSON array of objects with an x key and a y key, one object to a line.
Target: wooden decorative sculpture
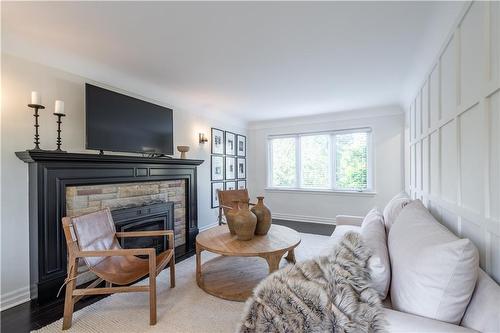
[
  {"x": 244, "y": 222},
  {"x": 263, "y": 217}
]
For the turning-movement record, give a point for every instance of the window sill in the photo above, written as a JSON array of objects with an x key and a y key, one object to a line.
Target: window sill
[{"x": 320, "y": 191}]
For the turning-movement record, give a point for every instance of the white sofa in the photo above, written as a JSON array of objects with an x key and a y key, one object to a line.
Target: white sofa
[{"x": 481, "y": 312}]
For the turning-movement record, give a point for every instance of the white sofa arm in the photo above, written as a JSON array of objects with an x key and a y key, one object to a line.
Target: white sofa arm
[{"x": 349, "y": 220}]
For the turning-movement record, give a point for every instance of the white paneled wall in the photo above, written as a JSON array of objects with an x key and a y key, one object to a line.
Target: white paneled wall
[{"x": 454, "y": 124}]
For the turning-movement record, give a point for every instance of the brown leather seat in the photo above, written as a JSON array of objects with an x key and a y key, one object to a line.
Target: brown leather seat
[
  {"x": 93, "y": 238},
  {"x": 125, "y": 270},
  {"x": 96, "y": 232}
]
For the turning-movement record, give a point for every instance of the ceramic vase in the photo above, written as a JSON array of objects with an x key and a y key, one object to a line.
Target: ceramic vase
[
  {"x": 263, "y": 215},
  {"x": 244, "y": 222},
  {"x": 231, "y": 212}
]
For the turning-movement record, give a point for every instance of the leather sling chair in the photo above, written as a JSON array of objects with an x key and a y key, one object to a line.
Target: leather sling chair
[
  {"x": 93, "y": 238},
  {"x": 228, "y": 198}
]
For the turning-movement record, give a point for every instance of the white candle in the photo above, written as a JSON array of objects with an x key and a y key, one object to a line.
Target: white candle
[
  {"x": 59, "y": 108},
  {"x": 36, "y": 98}
]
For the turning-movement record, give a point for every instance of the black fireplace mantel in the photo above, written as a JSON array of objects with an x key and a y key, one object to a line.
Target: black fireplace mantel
[{"x": 50, "y": 173}]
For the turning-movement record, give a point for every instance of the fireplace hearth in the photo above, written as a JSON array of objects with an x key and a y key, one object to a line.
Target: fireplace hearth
[{"x": 51, "y": 174}]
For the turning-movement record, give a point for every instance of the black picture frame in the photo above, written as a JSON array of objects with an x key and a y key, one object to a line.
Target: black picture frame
[
  {"x": 214, "y": 188},
  {"x": 241, "y": 152},
  {"x": 228, "y": 175},
  {"x": 215, "y": 149},
  {"x": 214, "y": 160},
  {"x": 244, "y": 182},
  {"x": 228, "y": 187},
  {"x": 241, "y": 174},
  {"x": 230, "y": 143}
]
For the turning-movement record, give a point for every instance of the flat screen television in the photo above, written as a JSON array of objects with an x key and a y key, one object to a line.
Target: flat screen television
[{"x": 121, "y": 123}]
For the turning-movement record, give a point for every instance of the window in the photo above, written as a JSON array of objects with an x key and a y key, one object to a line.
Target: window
[
  {"x": 283, "y": 166},
  {"x": 338, "y": 161}
]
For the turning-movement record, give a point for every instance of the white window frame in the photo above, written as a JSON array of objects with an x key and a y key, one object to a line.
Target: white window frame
[{"x": 332, "y": 165}]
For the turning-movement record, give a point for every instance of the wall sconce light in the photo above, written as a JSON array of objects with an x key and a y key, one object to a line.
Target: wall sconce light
[{"x": 202, "y": 138}]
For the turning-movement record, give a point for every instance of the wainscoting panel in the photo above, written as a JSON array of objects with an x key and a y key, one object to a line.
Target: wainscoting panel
[
  {"x": 494, "y": 41},
  {"x": 494, "y": 123},
  {"x": 449, "y": 161},
  {"x": 471, "y": 55},
  {"x": 449, "y": 80},
  {"x": 418, "y": 160},
  {"x": 418, "y": 115},
  {"x": 425, "y": 165},
  {"x": 471, "y": 137},
  {"x": 454, "y": 123},
  {"x": 434, "y": 102},
  {"x": 435, "y": 163}
]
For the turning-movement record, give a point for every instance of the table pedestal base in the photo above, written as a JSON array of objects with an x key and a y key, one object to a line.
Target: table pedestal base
[{"x": 234, "y": 278}]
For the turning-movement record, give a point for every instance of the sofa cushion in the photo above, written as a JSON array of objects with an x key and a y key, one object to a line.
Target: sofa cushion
[
  {"x": 433, "y": 271},
  {"x": 373, "y": 234},
  {"x": 483, "y": 311},
  {"x": 399, "y": 322},
  {"x": 394, "y": 207}
]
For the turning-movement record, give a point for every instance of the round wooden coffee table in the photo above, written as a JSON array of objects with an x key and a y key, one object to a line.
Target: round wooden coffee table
[{"x": 235, "y": 273}]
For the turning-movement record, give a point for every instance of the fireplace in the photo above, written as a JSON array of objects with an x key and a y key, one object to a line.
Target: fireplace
[
  {"x": 67, "y": 184},
  {"x": 155, "y": 216},
  {"x": 126, "y": 199}
]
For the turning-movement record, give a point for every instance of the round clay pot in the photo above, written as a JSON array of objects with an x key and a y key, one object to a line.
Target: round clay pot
[
  {"x": 230, "y": 215},
  {"x": 263, "y": 215},
  {"x": 244, "y": 222}
]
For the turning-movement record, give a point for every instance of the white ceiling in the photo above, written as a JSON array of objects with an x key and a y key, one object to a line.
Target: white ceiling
[{"x": 253, "y": 60}]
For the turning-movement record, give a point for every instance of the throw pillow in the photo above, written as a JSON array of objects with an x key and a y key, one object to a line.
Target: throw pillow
[
  {"x": 433, "y": 271},
  {"x": 393, "y": 208},
  {"x": 374, "y": 236}
]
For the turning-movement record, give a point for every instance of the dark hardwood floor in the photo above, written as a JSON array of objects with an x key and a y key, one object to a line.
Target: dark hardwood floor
[
  {"x": 308, "y": 228},
  {"x": 31, "y": 316}
]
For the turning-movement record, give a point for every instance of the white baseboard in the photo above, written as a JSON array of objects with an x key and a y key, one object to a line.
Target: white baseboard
[
  {"x": 15, "y": 297},
  {"x": 304, "y": 218},
  {"x": 206, "y": 227}
]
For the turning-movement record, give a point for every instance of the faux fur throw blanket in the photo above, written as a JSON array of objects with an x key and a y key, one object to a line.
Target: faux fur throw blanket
[{"x": 326, "y": 294}]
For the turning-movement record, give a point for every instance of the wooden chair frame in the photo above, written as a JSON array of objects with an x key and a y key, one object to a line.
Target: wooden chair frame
[
  {"x": 223, "y": 206},
  {"x": 73, "y": 295}
]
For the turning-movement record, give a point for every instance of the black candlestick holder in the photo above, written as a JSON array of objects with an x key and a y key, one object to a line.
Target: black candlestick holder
[
  {"x": 59, "y": 115},
  {"x": 36, "y": 115}
]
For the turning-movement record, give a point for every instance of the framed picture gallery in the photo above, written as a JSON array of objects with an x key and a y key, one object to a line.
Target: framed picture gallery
[
  {"x": 228, "y": 167},
  {"x": 230, "y": 143},
  {"x": 216, "y": 187},
  {"x": 217, "y": 167},
  {"x": 217, "y": 141},
  {"x": 241, "y": 168},
  {"x": 241, "y": 144}
]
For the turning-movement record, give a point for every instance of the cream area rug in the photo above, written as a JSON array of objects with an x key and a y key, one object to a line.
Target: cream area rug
[{"x": 185, "y": 308}]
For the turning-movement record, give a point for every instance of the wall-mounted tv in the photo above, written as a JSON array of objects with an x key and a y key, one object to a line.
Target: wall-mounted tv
[{"x": 121, "y": 123}]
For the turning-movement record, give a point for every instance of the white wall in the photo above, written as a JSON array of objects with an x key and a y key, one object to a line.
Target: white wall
[
  {"x": 454, "y": 145},
  {"x": 19, "y": 78},
  {"x": 322, "y": 207}
]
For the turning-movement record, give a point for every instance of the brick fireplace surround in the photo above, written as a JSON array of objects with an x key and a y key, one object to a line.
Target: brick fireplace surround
[
  {"x": 86, "y": 199},
  {"x": 67, "y": 184}
]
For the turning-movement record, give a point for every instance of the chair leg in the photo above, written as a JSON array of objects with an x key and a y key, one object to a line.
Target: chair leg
[
  {"x": 152, "y": 290},
  {"x": 172, "y": 272},
  {"x": 68, "y": 299}
]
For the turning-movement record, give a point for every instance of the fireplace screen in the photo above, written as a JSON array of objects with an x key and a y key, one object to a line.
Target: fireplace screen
[{"x": 157, "y": 216}]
